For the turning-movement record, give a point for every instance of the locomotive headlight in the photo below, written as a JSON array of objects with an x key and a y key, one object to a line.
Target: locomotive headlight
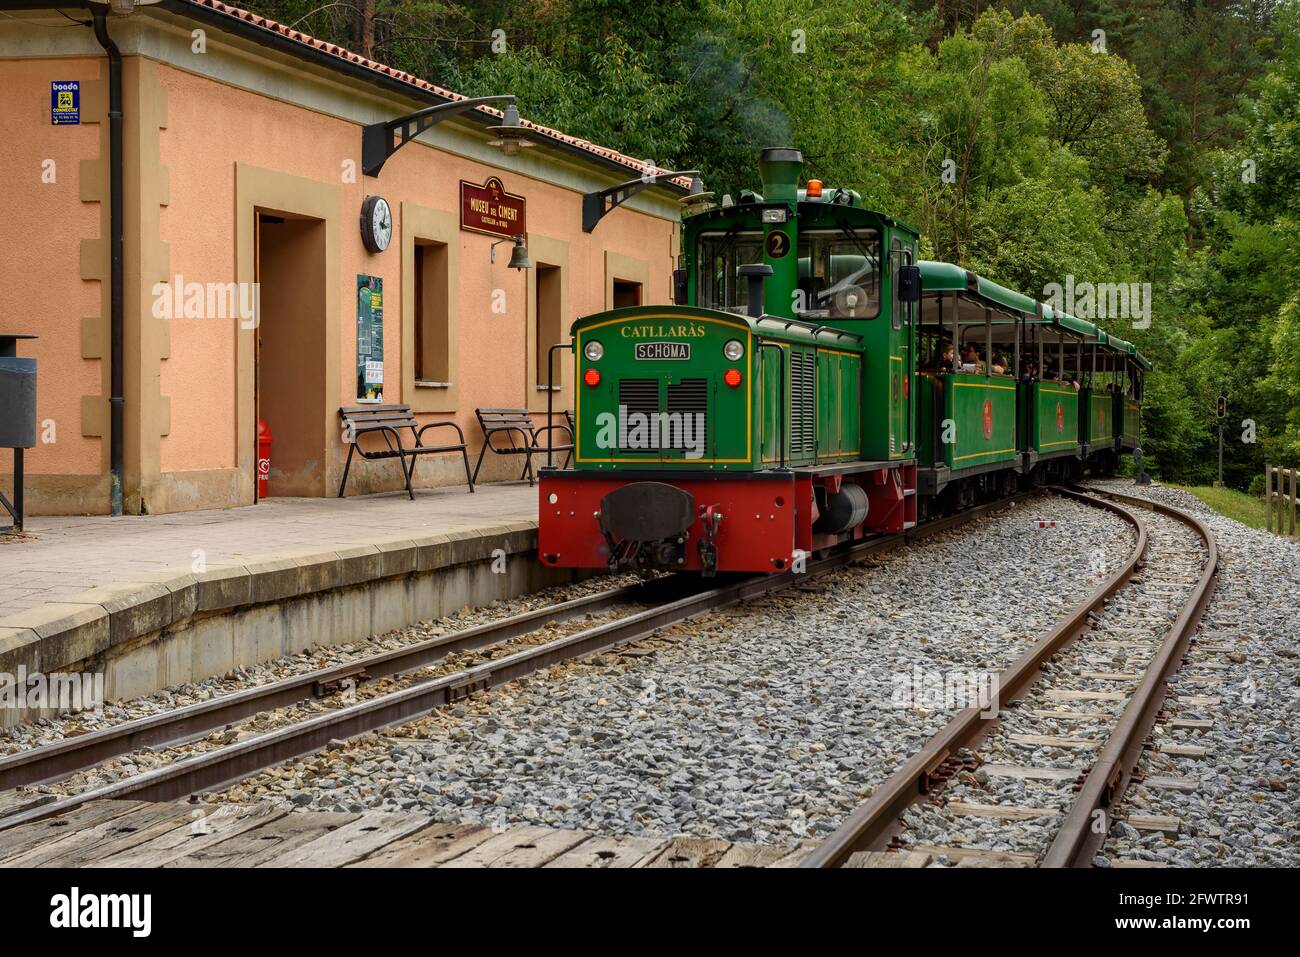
[
  {"x": 593, "y": 350},
  {"x": 734, "y": 349}
]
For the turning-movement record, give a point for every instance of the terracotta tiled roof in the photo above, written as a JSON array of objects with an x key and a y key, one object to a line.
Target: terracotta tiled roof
[{"x": 543, "y": 132}]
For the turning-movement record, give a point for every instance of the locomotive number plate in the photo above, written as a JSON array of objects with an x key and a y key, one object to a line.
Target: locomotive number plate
[{"x": 663, "y": 350}]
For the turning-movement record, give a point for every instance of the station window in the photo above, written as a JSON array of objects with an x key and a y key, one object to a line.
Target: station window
[
  {"x": 550, "y": 323},
  {"x": 626, "y": 293},
  {"x": 431, "y": 319}
]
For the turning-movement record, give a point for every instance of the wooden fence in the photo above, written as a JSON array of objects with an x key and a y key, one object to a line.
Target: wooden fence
[{"x": 1286, "y": 500}]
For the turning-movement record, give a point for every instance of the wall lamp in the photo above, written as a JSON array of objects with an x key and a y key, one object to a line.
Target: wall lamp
[
  {"x": 511, "y": 135},
  {"x": 124, "y": 8}
]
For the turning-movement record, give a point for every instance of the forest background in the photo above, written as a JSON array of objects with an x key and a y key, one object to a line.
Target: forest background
[{"x": 1113, "y": 141}]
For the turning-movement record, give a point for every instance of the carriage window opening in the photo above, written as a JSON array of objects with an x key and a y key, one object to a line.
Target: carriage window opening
[
  {"x": 717, "y": 286},
  {"x": 839, "y": 274}
]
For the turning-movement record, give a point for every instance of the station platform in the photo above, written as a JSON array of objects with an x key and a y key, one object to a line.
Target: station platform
[
  {"x": 59, "y": 557},
  {"x": 97, "y": 594}
]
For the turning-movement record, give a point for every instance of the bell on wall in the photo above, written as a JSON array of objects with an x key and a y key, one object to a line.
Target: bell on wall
[{"x": 518, "y": 256}]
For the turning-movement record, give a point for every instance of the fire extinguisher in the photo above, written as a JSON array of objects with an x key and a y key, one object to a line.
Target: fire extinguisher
[{"x": 263, "y": 458}]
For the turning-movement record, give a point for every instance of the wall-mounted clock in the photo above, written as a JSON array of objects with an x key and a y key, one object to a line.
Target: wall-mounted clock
[{"x": 376, "y": 224}]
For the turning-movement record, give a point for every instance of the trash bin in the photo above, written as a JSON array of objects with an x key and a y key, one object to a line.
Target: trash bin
[
  {"x": 17, "y": 402},
  {"x": 17, "y": 415}
]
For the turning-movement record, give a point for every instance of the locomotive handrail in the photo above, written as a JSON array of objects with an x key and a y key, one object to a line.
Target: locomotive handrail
[
  {"x": 813, "y": 328},
  {"x": 550, "y": 392},
  {"x": 839, "y": 333}
]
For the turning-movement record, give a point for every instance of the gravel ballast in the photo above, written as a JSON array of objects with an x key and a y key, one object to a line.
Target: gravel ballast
[
  {"x": 1245, "y": 806},
  {"x": 767, "y": 723},
  {"x": 1020, "y": 778}
]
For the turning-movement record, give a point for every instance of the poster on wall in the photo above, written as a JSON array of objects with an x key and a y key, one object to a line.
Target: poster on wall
[
  {"x": 370, "y": 339},
  {"x": 65, "y": 102}
]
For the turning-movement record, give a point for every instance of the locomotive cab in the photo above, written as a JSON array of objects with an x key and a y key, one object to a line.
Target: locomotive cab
[{"x": 767, "y": 417}]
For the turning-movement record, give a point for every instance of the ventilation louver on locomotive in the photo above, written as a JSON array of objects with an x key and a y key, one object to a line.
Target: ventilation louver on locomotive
[
  {"x": 646, "y": 426},
  {"x": 803, "y": 405}
]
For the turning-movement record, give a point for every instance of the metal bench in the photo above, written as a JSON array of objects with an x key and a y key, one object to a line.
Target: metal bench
[
  {"x": 525, "y": 438},
  {"x": 391, "y": 421}
]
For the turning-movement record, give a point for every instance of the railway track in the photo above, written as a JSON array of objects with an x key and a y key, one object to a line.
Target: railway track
[
  {"x": 220, "y": 766},
  {"x": 1074, "y": 714}
]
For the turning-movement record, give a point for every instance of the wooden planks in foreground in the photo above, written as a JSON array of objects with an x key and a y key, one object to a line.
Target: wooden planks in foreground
[{"x": 141, "y": 834}]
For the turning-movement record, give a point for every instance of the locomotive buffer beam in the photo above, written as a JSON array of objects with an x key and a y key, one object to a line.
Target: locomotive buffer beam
[{"x": 646, "y": 524}]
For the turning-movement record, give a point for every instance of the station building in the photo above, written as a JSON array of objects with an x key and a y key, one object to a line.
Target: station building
[{"x": 250, "y": 286}]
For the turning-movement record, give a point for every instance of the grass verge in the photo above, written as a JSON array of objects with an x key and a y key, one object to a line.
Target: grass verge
[{"x": 1229, "y": 502}]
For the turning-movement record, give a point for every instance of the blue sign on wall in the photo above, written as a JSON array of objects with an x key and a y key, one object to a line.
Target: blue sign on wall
[{"x": 65, "y": 102}]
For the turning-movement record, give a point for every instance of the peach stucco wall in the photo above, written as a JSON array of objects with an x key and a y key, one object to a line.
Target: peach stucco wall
[
  {"x": 40, "y": 246},
  {"x": 211, "y": 127},
  {"x": 198, "y": 227}
]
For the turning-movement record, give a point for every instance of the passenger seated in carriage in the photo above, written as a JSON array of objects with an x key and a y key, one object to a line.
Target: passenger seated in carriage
[
  {"x": 999, "y": 366},
  {"x": 941, "y": 360},
  {"x": 971, "y": 361}
]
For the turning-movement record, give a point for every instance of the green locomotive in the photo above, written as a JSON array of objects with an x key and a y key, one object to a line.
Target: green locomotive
[{"x": 808, "y": 388}]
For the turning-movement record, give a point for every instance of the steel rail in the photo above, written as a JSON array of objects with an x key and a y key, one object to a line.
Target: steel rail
[
  {"x": 871, "y": 825},
  {"x": 1077, "y": 842},
  {"x": 56, "y": 760},
  {"x": 222, "y": 766}
]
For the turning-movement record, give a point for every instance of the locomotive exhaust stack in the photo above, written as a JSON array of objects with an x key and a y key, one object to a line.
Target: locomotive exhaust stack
[
  {"x": 756, "y": 275},
  {"x": 779, "y": 169}
]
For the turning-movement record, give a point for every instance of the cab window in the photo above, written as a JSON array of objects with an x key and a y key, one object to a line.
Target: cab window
[
  {"x": 839, "y": 275},
  {"x": 720, "y": 254}
]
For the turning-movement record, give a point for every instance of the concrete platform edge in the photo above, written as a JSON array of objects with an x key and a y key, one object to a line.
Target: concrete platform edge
[{"x": 171, "y": 628}]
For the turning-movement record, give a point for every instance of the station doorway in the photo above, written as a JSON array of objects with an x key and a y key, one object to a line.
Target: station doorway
[{"x": 290, "y": 350}]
